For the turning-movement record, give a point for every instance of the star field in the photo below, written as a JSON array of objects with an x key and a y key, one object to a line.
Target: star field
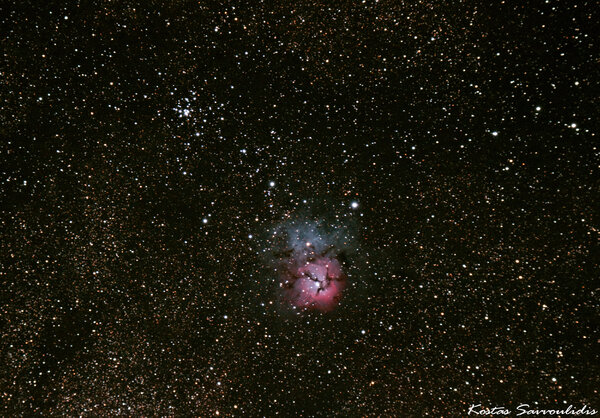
[{"x": 152, "y": 153}]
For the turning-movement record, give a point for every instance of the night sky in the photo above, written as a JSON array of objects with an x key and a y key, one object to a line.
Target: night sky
[{"x": 170, "y": 170}]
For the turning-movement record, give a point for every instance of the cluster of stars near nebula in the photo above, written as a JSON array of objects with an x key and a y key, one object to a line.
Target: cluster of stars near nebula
[{"x": 298, "y": 208}]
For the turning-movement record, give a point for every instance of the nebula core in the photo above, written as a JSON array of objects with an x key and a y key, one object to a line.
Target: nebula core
[{"x": 311, "y": 275}]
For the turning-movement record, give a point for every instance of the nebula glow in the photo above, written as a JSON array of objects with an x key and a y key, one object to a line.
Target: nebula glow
[{"x": 311, "y": 276}]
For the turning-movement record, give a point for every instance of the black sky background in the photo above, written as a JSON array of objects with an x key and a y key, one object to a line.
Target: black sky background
[{"x": 139, "y": 143}]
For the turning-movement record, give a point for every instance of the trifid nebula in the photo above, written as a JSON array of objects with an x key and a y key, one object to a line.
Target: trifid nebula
[{"x": 366, "y": 208}]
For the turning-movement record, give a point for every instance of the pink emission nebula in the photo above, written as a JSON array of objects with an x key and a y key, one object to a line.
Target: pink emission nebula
[{"x": 312, "y": 281}]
